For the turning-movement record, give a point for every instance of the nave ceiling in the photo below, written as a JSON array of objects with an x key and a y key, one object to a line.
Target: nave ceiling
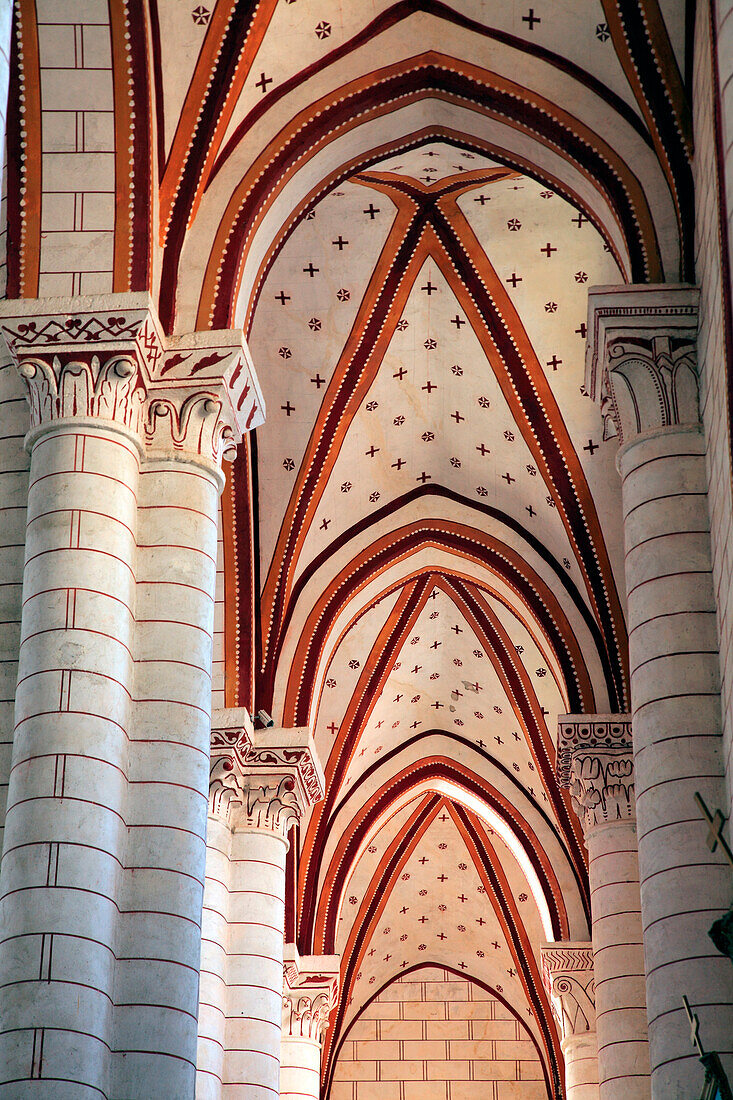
[{"x": 404, "y": 205}]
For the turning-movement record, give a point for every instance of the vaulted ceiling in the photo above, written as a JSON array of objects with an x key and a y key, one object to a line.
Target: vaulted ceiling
[{"x": 404, "y": 205}]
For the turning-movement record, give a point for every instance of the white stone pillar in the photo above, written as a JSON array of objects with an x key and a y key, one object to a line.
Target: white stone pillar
[
  {"x": 65, "y": 825},
  {"x": 567, "y": 971},
  {"x": 642, "y": 365},
  {"x": 14, "y": 470},
  {"x": 231, "y": 737},
  {"x": 310, "y": 992},
  {"x": 103, "y": 860},
  {"x": 266, "y": 786},
  {"x": 193, "y": 418},
  {"x": 595, "y": 760}
]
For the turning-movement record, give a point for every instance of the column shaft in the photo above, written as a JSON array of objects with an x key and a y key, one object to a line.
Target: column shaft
[
  {"x": 677, "y": 745},
  {"x": 156, "y": 985},
  {"x": 214, "y": 948},
  {"x": 641, "y": 363},
  {"x": 65, "y": 822},
  {"x": 14, "y": 467},
  {"x": 581, "y": 1066},
  {"x": 618, "y": 962},
  {"x": 310, "y": 993},
  {"x": 260, "y": 783},
  {"x": 568, "y": 975},
  {"x": 255, "y": 965},
  {"x": 300, "y": 1072}
]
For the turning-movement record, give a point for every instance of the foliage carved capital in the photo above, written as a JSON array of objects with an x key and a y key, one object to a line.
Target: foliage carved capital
[
  {"x": 310, "y": 993},
  {"x": 595, "y": 762},
  {"x": 105, "y": 358},
  {"x": 261, "y": 779}
]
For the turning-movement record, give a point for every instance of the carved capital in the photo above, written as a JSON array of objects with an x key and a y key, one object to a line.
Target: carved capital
[
  {"x": 205, "y": 396},
  {"x": 232, "y": 733},
  {"x": 641, "y": 357},
  {"x": 105, "y": 358},
  {"x": 84, "y": 357},
  {"x": 310, "y": 993},
  {"x": 261, "y": 779},
  {"x": 567, "y": 972},
  {"x": 595, "y": 762}
]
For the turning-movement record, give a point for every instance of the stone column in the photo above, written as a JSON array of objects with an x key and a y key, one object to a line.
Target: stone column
[
  {"x": 265, "y": 786},
  {"x": 65, "y": 826},
  {"x": 567, "y": 971},
  {"x": 199, "y": 403},
  {"x": 310, "y": 992},
  {"x": 595, "y": 761},
  {"x": 103, "y": 858},
  {"x": 642, "y": 367},
  {"x": 231, "y": 738}
]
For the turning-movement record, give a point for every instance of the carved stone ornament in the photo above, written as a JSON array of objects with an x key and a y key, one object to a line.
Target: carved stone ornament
[
  {"x": 641, "y": 357},
  {"x": 261, "y": 779},
  {"x": 310, "y": 993},
  {"x": 232, "y": 733},
  {"x": 205, "y": 396},
  {"x": 595, "y": 762},
  {"x": 567, "y": 972},
  {"x": 105, "y": 358}
]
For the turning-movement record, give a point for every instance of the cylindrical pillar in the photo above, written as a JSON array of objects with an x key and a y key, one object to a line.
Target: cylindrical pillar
[
  {"x": 103, "y": 866},
  {"x": 642, "y": 362},
  {"x": 300, "y": 1072},
  {"x": 255, "y": 959},
  {"x": 259, "y": 785},
  {"x": 14, "y": 470},
  {"x": 595, "y": 761},
  {"x": 618, "y": 958},
  {"x": 675, "y": 695},
  {"x": 214, "y": 947},
  {"x": 157, "y": 987},
  {"x": 310, "y": 992},
  {"x": 567, "y": 972},
  {"x": 65, "y": 825},
  {"x": 581, "y": 1066}
]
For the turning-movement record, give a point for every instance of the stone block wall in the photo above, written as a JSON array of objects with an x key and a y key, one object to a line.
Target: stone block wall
[
  {"x": 78, "y": 147},
  {"x": 434, "y": 1036},
  {"x": 711, "y": 353}
]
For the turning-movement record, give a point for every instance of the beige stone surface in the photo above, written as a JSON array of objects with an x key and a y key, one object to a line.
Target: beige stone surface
[{"x": 485, "y": 1049}]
